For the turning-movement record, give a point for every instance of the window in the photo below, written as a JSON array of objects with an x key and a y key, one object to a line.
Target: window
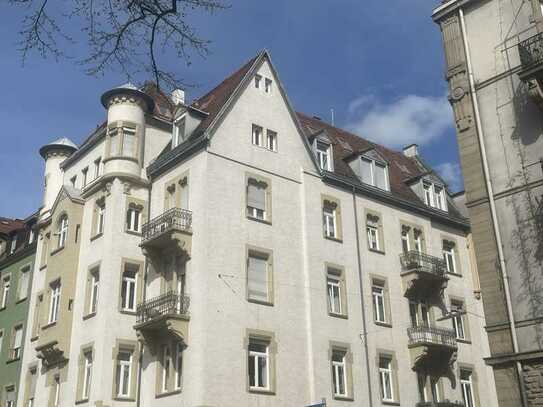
[
  {"x": 406, "y": 247},
  {"x": 10, "y": 397},
  {"x": 100, "y": 216},
  {"x": 336, "y": 291},
  {"x": 24, "y": 281},
  {"x": 97, "y": 165},
  {"x": 258, "y": 277},
  {"x": 56, "y": 391},
  {"x": 129, "y": 141},
  {"x": 466, "y": 384},
  {"x": 128, "y": 290},
  {"x": 374, "y": 173},
  {"x": 419, "y": 312},
  {"x": 258, "y": 79},
  {"x": 417, "y": 239},
  {"x": 87, "y": 375},
  {"x": 166, "y": 360},
  {"x": 271, "y": 139},
  {"x": 36, "y": 323},
  {"x": 13, "y": 244},
  {"x": 373, "y": 237},
  {"x": 178, "y": 364},
  {"x": 324, "y": 159},
  {"x": 114, "y": 142},
  {"x": 434, "y": 195},
  {"x": 17, "y": 342},
  {"x": 1, "y": 340},
  {"x": 133, "y": 219},
  {"x": 62, "y": 231},
  {"x": 329, "y": 219},
  {"x": 73, "y": 180},
  {"x": 256, "y": 199},
  {"x": 31, "y": 236},
  {"x": 339, "y": 373},
  {"x": 124, "y": 373},
  {"x": 259, "y": 364},
  {"x": 458, "y": 313},
  {"x": 385, "y": 378},
  {"x": 94, "y": 287},
  {"x": 378, "y": 294},
  {"x": 258, "y": 136},
  {"x": 179, "y": 131},
  {"x": 449, "y": 256},
  {"x": 6, "y": 282},
  {"x": 31, "y": 386},
  {"x": 45, "y": 250},
  {"x": 84, "y": 173},
  {"x": 267, "y": 85},
  {"x": 55, "y": 302}
]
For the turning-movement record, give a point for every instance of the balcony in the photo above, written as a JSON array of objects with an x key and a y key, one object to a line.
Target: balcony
[
  {"x": 171, "y": 229},
  {"x": 440, "y": 404},
  {"x": 531, "y": 57},
  {"x": 423, "y": 275},
  {"x": 162, "y": 316},
  {"x": 432, "y": 349}
]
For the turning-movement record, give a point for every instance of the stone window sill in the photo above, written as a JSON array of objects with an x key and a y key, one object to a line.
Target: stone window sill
[
  {"x": 58, "y": 249},
  {"x": 268, "y": 303},
  {"x": 167, "y": 393},
  {"x": 88, "y": 316},
  {"x": 343, "y": 398},
  {"x": 334, "y": 239},
  {"x": 49, "y": 325},
  {"x": 133, "y": 232},
  {"x": 383, "y": 324},
  {"x": 96, "y": 236},
  {"x": 336, "y": 315},
  {"x": 264, "y": 221},
  {"x": 376, "y": 251},
  {"x": 261, "y": 391}
]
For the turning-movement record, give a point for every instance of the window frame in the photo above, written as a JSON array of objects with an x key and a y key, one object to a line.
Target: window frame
[
  {"x": 267, "y": 256},
  {"x": 62, "y": 232},
  {"x": 330, "y": 221},
  {"x": 378, "y": 293},
  {"x": 22, "y": 289},
  {"x": 133, "y": 218},
  {"x": 339, "y": 368},
  {"x": 6, "y": 288},
  {"x": 129, "y": 287},
  {"x": 55, "y": 288},
  {"x": 464, "y": 385},
  {"x": 88, "y": 357},
  {"x": 122, "y": 366},
  {"x": 94, "y": 290},
  {"x": 256, "y": 356},
  {"x": 373, "y": 163},
  {"x": 386, "y": 392},
  {"x": 323, "y": 155},
  {"x": 15, "y": 352},
  {"x": 458, "y": 319},
  {"x": 257, "y": 135}
]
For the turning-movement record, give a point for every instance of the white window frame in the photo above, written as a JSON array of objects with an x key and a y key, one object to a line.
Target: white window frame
[
  {"x": 129, "y": 286},
  {"x": 166, "y": 367},
  {"x": 257, "y": 135},
  {"x": 178, "y": 138},
  {"x": 258, "y": 80},
  {"x": 17, "y": 343},
  {"x": 324, "y": 156},
  {"x": 373, "y": 237},
  {"x": 467, "y": 389},
  {"x": 387, "y": 388},
  {"x": 330, "y": 221},
  {"x": 87, "y": 375},
  {"x": 13, "y": 244},
  {"x": 268, "y": 85},
  {"x": 63, "y": 231},
  {"x": 406, "y": 244},
  {"x": 333, "y": 284},
  {"x": 379, "y": 307},
  {"x": 134, "y": 219},
  {"x": 256, "y": 356},
  {"x": 271, "y": 140},
  {"x": 458, "y": 320},
  {"x": 100, "y": 218},
  {"x": 31, "y": 236},
  {"x": 24, "y": 282},
  {"x": 339, "y": 374},
  {"x": 6, "y": 284},
  {"x": 94, "y": 291},
  {"x": 124, "y": 365},
  {"x": 417, "y": 238},
  {"x": 449, "y": 257},
  {"x": 56, "y": 399},
  {"x": 373, "y": 163},
  {"x": 433, "y": 197},
  {"x": 178, "y": 365},
  {"x": 54, "y": 305}
]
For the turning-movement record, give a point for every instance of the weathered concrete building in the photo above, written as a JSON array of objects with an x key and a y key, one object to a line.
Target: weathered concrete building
[
  {"x": 494, "y": 67},
  {"x": 233, "y": 252}
]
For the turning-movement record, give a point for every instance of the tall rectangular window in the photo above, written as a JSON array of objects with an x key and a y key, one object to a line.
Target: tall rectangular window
[
  {"x": 17, "y": 342},
  {"x": 56, "y": 391},
  {"x": 378, "y": 294},
  {"x": 87, "y": 375},
  {"x": 84, "y": 173},
  {"x": 329, "y": 220},
  {"x": 386, "y": 378},
  {"x": 100, "y": 216},
  {"x": 178, "y": 364},
  {"x": 6, "y": 283},
  {"x": 94, "y": 288},
  {"x": 124, "y": 373},
  {"x": 271, "y": 140},
  {"x": 11, "y": 400},
  {"x": 24, "y": 281},
  {"x": 457, "y": 310},
  {"x": 449, "y": 256},
  {"x": 129, "y": 142},
  {"x": 466, "y": 384},
  {"x": 419, "y": 313},
  {"x": 55, "y": 302},
  {"x": 333, "y": 283},
  {"x": 323, "y": 151},
  {"x": 13, "y": 244},
  {"x": 166, "y": 367},
  {"x": 259, "y": 364},
  {"x": 258, "y": 138},
  {"x": 62, "y": 231},
  {"x": 31, "y": 389},
  {"x": 256, "y": 199},
  {"x": 128, "y": 289},
  {"x": 133, "y": 219},
  {"x": 339, "y": 372},
  {"x": 258, "y": 277},
  {"x": 373, "y": 237},
  {"x": 406, "y": 247},
  {"x": 97, "y": 165}
]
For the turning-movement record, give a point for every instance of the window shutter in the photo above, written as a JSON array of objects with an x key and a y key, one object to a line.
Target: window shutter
[
  {"x": 258, "y": 279},
  {"x": 256, "y": 195}
]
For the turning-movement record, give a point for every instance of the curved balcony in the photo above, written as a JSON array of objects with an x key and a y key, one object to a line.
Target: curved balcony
[
  {"x": 423, "y": 275},
  {"x": 172, "y": 228},
  {"x": 167, "y": 314},
  {"x": 432, "y": 348}
]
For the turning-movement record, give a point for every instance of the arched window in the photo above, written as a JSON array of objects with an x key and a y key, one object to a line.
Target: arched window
[{"x": 62, "y": 230}]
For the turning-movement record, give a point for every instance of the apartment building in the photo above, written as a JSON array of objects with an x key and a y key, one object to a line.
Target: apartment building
[
  {"x": 493, "y": 53},
  {"x": 17, "y": 250},
  {"x": 233, "y": 252}
]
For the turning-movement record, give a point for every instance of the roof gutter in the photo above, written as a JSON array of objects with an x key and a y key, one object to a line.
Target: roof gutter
[{"x": 495, "y": 225}]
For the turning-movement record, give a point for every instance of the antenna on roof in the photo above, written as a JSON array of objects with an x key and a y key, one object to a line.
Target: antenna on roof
[{"x": 332, "y": 111}]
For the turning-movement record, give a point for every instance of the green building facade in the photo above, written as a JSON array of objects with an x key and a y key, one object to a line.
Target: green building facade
[{"x": 17, "y": 253}]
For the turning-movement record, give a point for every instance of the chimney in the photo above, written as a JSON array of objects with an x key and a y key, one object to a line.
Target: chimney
[
  {"x": 411, "y": 150},
  {"x": 178, "y": 96}
]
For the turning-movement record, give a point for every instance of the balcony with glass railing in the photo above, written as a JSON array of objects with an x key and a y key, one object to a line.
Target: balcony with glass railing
[
  {"x": 173, "y": 227},
  {"x": 167, "y": 314},
  {"x": 423, "y": 275},
  {"x": 432, "y": 348}
]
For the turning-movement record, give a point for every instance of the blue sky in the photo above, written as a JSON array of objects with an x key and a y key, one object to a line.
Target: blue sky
[{"x": 378, "y": 64}]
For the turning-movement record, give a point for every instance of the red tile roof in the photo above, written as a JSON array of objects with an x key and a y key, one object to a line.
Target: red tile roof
[{"x": 8, "y": 225}]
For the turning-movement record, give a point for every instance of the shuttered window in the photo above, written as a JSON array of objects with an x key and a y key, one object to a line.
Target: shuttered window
[{"x": 257, "y": 277}]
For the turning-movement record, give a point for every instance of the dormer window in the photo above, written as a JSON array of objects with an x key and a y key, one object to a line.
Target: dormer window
[
  {"x": 374, "y": 173},
  {"x": 178, "y": 131},
  {"x": 324, "y": 155},
  {"x": 13, "y": 244},
  {"x": 434, "y": 195}
]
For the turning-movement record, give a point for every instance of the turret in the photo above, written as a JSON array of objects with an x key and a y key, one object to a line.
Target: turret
[
  {"x": 53, "y": 154},
  {"x": 126, "y": 107}
]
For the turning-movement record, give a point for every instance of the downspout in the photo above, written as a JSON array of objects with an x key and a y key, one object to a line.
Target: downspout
[
  {"x": 145, "y": 270},
  {"x": 364, "y": 334},
  {"x": 496, "y": 228}
]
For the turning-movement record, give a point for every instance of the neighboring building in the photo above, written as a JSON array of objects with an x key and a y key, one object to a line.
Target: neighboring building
[
  {"x": 17, "y": 250},
  {"x": 233, "y": 252},
  {"x": 494, "y": 67}
]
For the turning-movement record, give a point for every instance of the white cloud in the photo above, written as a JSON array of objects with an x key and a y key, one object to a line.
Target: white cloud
[
  {"x": 452, "y": 175},
  {"x": 409, "y": 119}
]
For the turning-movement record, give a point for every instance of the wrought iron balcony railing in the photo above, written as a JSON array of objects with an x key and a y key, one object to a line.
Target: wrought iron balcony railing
[
  {"x": 431, "y": 335},
  {"x": 414, "y": 260},
  {"x": 440, "y": 404},
  {"x": 531, "y": 50},
  {"x": 170, "y": 303},
  {"x": 175, "y": 218}
]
